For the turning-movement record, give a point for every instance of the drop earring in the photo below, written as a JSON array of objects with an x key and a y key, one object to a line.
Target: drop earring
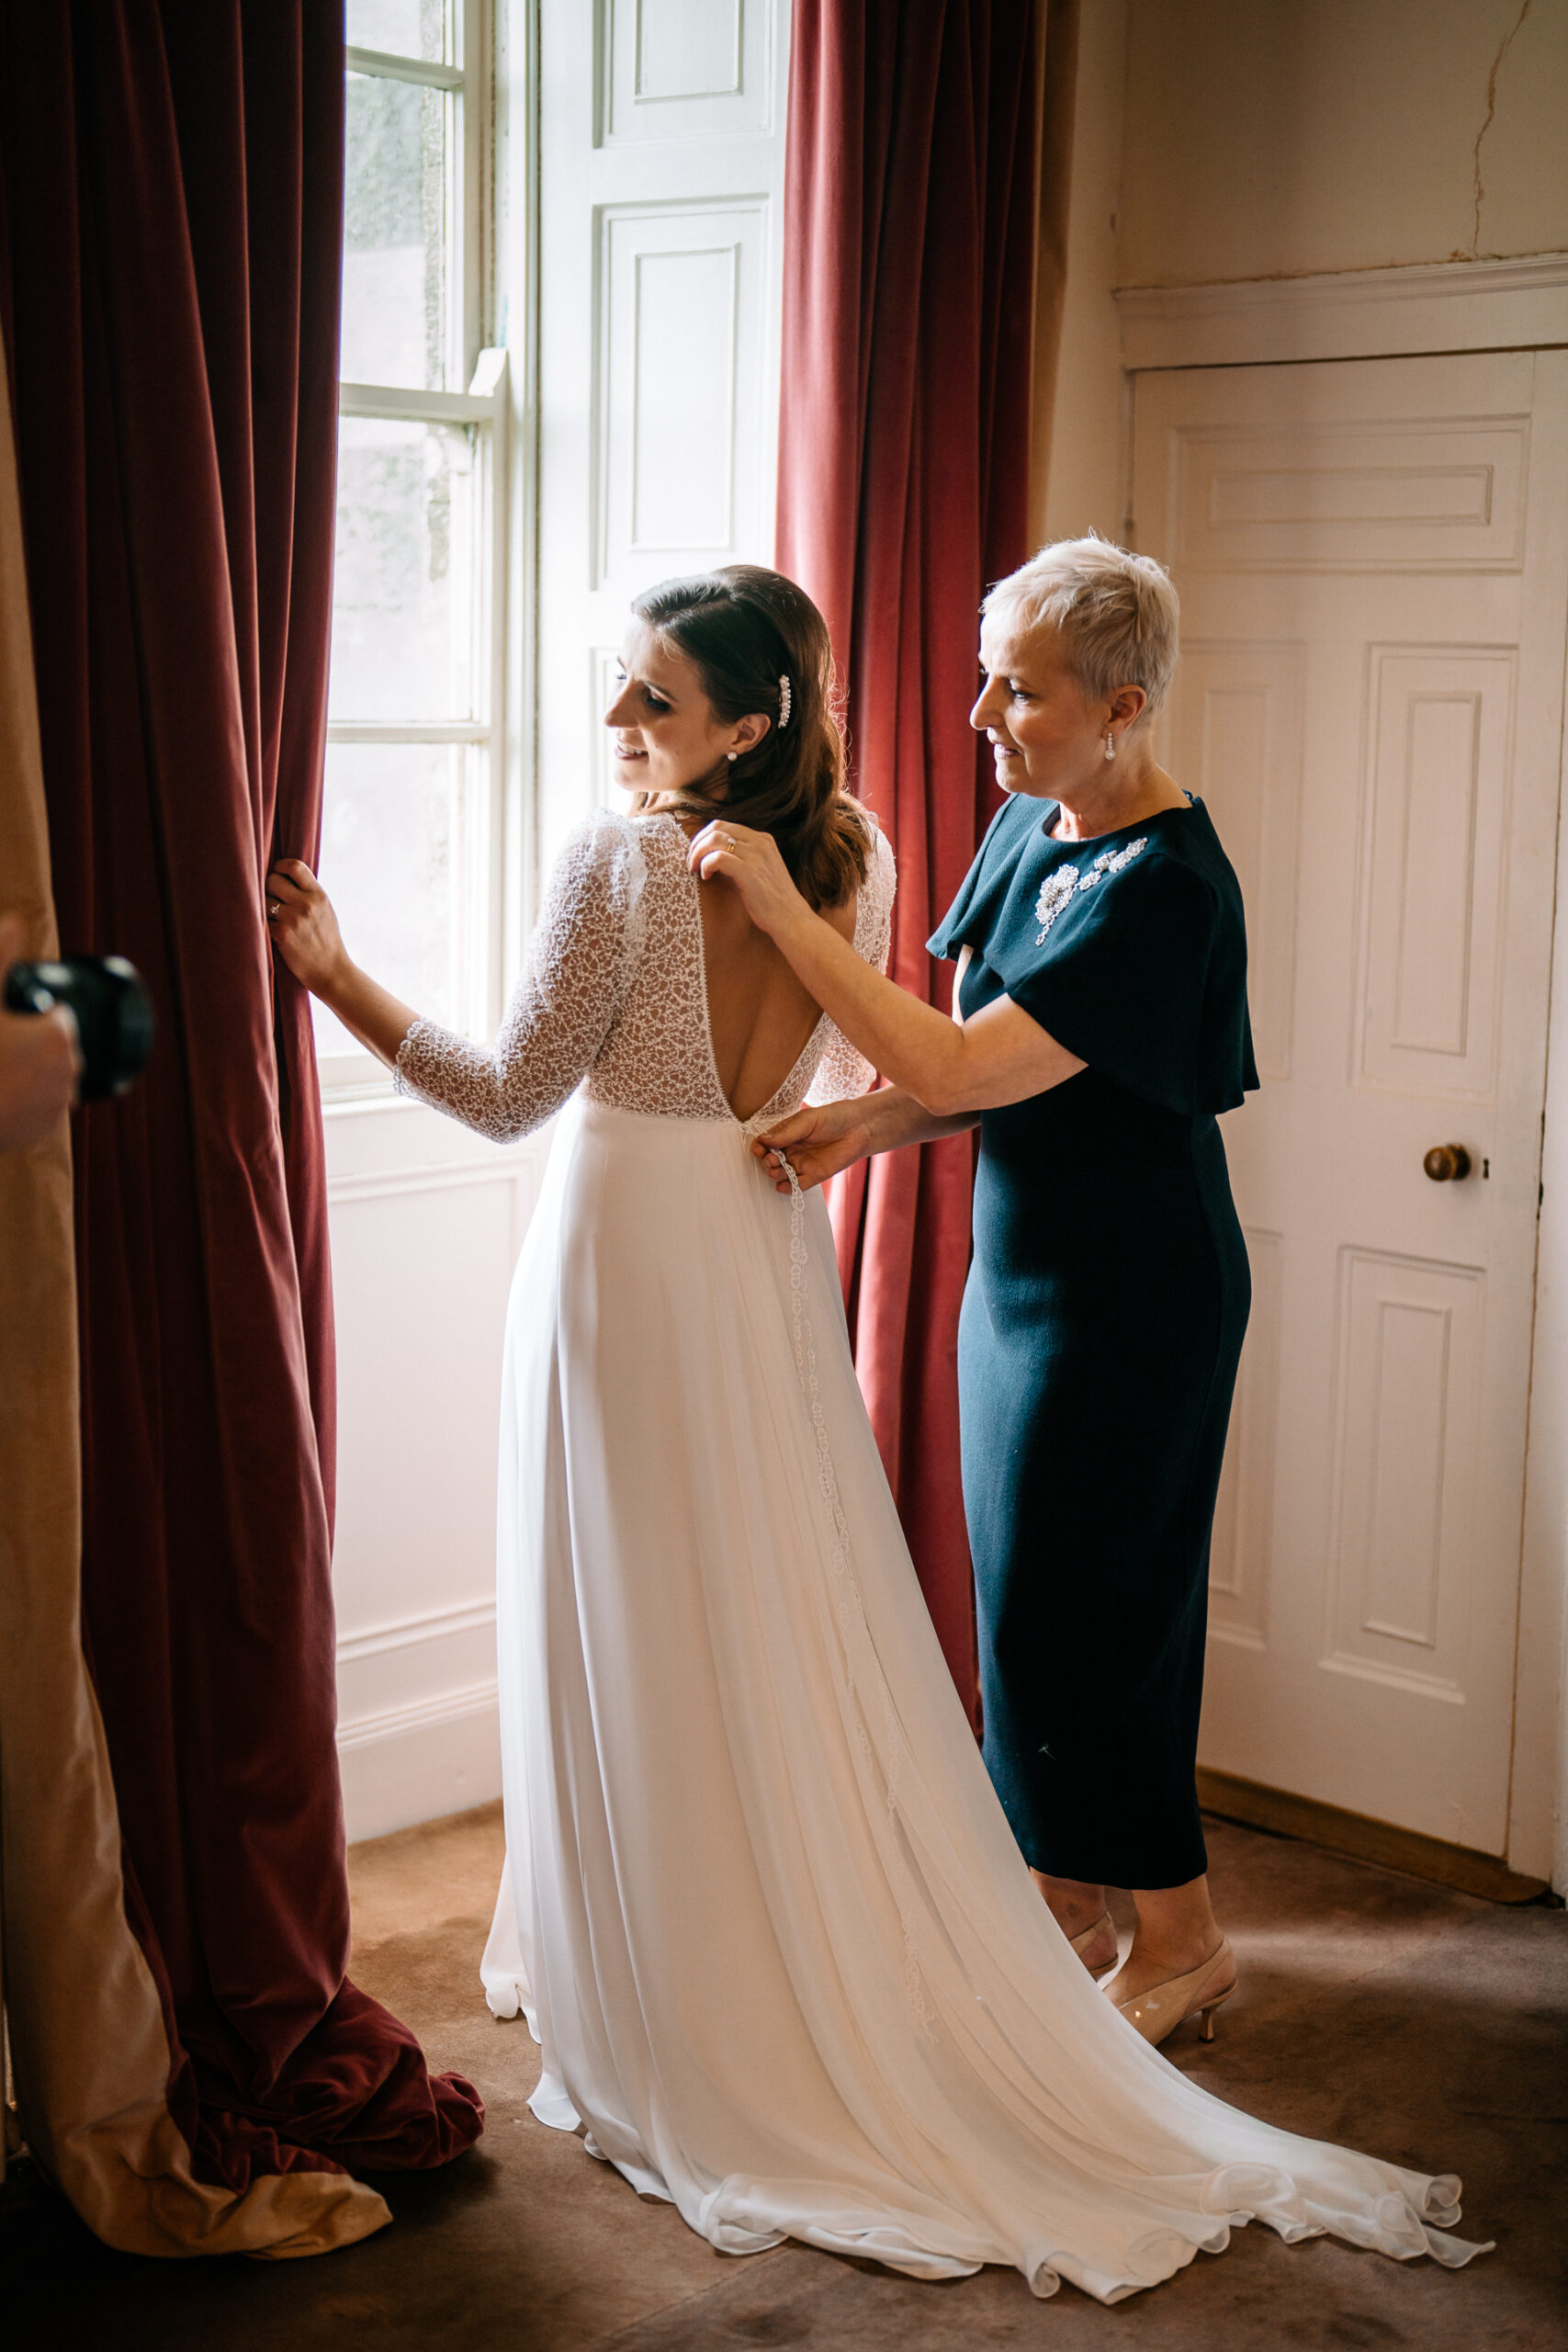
[{"x": 1109, "y": 745}]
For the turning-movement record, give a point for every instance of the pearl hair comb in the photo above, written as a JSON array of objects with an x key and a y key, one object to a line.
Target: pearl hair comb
[{"x": 784, "y": 698}]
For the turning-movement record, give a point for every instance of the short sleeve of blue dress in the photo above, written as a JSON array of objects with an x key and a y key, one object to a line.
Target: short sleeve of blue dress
[
  {"x": 1130, "y": 949},
  {"x": 1101, "y": 1326}
]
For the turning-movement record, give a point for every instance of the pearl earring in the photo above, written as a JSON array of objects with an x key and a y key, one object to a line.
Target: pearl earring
[
  {"x": 1109, "y": 745},
  {"x": 732, "y": 755}
]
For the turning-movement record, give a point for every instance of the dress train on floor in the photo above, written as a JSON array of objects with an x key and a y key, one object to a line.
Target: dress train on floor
[{"x": 761, "y": 1908}]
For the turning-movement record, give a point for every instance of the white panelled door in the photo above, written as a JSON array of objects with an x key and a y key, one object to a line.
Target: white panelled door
[
  {"x": 662, "y": 176},
  {"x": 1371, "y": 558}
]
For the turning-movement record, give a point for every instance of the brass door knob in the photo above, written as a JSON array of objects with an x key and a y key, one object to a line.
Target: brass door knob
[{"x": 1447, "y": 1163}]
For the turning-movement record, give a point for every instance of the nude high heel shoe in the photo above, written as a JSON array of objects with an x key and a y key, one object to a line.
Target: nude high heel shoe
[
  {"x": 1086, "y": 1936},
  {"x": 1162, "y": 2008}
]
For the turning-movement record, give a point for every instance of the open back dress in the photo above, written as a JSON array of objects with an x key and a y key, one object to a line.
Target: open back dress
[{"x": 761, "y": 1906}]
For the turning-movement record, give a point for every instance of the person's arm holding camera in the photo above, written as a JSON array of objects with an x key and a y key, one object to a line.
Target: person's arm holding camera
[{"x": 40, "y": 1058}]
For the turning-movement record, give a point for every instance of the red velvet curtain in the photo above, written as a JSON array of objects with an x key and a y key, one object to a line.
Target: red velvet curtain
[
  {"x": 172, "y": 176},
  {"x": 909, "y": 240}
]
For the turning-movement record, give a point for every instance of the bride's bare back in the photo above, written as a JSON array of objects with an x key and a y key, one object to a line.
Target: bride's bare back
[
  {"x": 759, "y": 1017},
  {"x": 655, "y": 990}
]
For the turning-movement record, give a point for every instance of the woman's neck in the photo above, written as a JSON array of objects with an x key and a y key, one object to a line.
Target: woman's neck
[
  {"x": 691, "y": 808},
  {"x": 1122, "y": 795}
]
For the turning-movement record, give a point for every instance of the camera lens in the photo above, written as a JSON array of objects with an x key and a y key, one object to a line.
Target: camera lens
[{"x": 112, "y": 1010}]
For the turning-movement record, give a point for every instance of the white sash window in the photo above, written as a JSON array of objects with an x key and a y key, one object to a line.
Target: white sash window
[{"x": 412, "y": 826}]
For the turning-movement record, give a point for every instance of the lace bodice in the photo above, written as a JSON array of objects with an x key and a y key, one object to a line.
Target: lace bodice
[{"x": 614, "y": 992}]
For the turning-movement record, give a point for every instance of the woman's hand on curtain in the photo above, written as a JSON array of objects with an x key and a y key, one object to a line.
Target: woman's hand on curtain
[
  {"x": 304, "y": 927},
  {"x": 305, "y": 932}
]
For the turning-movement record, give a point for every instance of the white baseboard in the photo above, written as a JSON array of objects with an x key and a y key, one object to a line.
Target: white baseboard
[{"x": 412, "y": 1763}]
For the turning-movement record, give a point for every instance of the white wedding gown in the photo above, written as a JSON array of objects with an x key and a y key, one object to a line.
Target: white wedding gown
[{"x": 761, "y": 1906}]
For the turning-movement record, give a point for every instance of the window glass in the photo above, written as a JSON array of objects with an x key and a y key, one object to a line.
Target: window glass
[
  {"x": 406, "y": 820},
  {"x": 392, "y": 858},
  {"x": 396, "y": 242},
  {"x": 401, "y": 27},
  {"x": 404, "y": 591}
]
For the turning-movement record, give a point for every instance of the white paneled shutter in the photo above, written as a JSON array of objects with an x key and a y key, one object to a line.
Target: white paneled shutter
[{"x": 661, "y": 178}]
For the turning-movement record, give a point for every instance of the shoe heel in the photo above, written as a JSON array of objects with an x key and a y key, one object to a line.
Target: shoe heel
[
  {"x": 1184, "y": 1999},
  {"x": 1206, "y": 2014}
]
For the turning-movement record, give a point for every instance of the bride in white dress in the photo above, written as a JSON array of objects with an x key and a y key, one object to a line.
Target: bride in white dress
[{"x": 761, "y": 1906}]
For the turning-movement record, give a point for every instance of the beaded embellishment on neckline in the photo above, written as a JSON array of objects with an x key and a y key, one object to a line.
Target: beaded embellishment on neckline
[{"x": 1065, "y": 882}]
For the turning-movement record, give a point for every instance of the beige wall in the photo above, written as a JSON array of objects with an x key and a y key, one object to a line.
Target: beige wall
[
  {"x": 1234, "y": 138},
  {"x": 1087, "y": 435},
  {"x": 1271, "y": 138}
]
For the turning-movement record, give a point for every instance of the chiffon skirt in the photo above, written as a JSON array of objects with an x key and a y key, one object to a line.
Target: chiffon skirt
[{"x": 761, "y": 1908}]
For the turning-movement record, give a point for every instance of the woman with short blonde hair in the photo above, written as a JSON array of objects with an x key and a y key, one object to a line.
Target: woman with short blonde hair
[
  {"x": 1100, "y": 1026},
  {"x": 1116, "y": 615}
]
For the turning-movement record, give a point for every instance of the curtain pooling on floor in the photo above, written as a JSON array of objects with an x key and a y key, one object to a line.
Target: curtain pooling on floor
[{"x": 169, "y": 257}]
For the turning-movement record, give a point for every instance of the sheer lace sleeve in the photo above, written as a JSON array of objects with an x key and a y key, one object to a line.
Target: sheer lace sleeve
[
  {"x": 842, "y": 1071},
  {"x": 580, "y": 958}
]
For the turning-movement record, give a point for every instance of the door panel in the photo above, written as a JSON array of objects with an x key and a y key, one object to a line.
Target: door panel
[
  {"x": 1437, "y": 815},
  {"x": 1407, "y": 1378},
  {"x": 1324, "y": 493},
  {"x": 1371, "y": 561}
]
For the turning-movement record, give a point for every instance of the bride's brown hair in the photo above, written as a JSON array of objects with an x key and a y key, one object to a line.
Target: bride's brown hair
[{"x": 745, "y": 630}]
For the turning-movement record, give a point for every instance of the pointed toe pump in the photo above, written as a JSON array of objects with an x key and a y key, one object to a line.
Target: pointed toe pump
[{"x": 1160, "y": 2008}]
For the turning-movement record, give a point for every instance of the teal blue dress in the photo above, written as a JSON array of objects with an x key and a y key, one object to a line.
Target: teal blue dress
[{"x": 1102, "y": 1326}]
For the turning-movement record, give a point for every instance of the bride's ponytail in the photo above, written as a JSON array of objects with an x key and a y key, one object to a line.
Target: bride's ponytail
[{"x": 759, "y": 645}]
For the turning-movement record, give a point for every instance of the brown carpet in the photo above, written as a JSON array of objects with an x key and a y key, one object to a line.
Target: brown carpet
[{"x": 1422, "y": 2025}]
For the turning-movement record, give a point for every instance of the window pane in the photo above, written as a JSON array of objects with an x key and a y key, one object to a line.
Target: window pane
[
  {"x": 394, "y": 844},
  {"x": 405, "y": 27},
  {"x": 397, "y": 234},
  {"x": 404, "y": 591}
]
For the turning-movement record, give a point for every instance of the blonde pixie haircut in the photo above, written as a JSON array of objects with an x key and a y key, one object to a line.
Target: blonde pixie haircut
[{"x": 1117, "y": 614}]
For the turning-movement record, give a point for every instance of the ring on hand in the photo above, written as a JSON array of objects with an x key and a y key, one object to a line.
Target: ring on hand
[{"x": 726, "y": 840}]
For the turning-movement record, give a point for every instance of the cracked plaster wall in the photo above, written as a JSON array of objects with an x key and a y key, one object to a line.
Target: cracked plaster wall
[
  {"x": 1226, "y": 138},
  {"x": 1274, "y": 138}
]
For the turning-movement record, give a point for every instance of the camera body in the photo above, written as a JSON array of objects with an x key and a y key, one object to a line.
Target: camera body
[{"x": 113, "y": 1014}]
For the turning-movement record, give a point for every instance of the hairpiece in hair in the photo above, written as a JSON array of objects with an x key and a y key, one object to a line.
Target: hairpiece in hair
[{"x": 784, "y": 698}]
